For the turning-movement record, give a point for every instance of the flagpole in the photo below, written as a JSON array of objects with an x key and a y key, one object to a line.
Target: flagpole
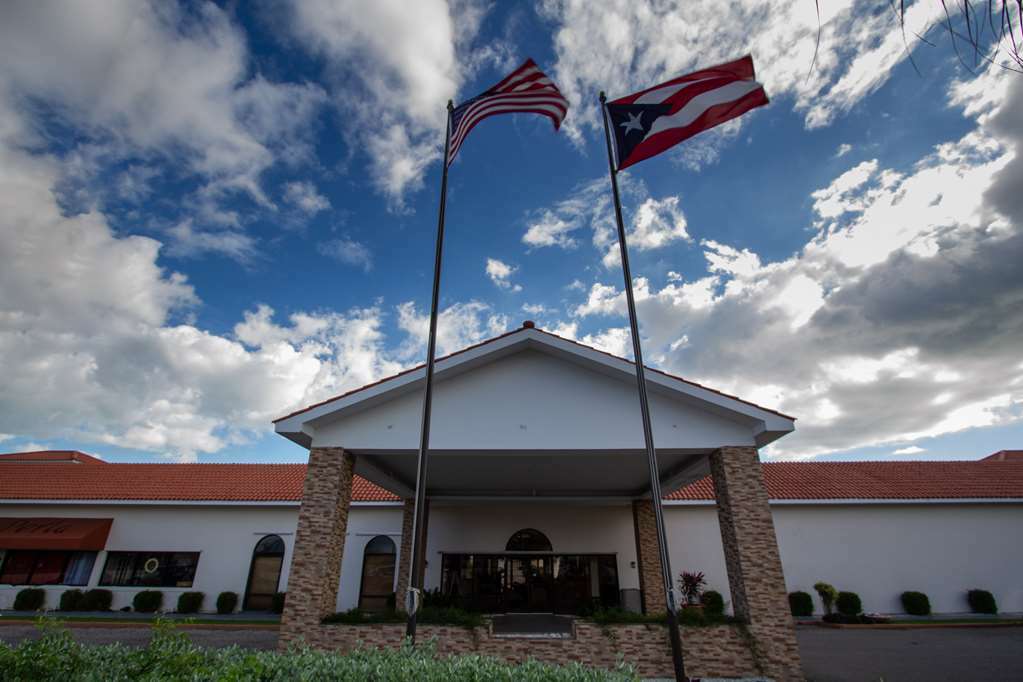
[
  {"x": 644, "y": 406},
  {"x": 412, "y": 599}
]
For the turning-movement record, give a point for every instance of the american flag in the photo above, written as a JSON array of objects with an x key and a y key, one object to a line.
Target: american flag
[
  {"x": 651, "y": 121},
  {"x": 526, "y": 90}
]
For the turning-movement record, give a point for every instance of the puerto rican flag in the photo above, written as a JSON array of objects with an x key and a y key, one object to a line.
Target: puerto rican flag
[{"x": 648, "y": 122}]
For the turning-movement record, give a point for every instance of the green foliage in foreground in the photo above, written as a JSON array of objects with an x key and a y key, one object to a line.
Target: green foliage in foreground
[{"x": 171, "y": 656}]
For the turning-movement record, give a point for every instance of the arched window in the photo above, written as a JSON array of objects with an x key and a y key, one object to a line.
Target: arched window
[
  {"x": 264, "y": 573},
  {"x": 528, "y": 540},
  {"x": 377, "y": 585}
]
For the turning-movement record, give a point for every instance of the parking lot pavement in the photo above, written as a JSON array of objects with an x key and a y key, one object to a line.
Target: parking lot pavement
[{"x": 931, "y": 655}]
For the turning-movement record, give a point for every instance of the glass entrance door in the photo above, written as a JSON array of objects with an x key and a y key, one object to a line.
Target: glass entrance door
[{"x": 538, "y": 583}]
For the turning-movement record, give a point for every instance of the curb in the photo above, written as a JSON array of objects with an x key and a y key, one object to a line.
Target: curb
[{"x": 911, "y": 626}]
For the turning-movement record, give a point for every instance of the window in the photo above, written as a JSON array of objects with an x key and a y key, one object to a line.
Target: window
[
  {"x": 264, "y": 573},
  {"x": 45, "y": 567},
  {"x": 150, "y": 569},
  {"x": 377, "y": 587},
  {"x": 528, "y": 540}
]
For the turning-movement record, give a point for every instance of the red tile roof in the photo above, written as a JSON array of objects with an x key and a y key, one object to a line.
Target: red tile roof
[
  {"x": 1005, "y": 456},
  {"x": 283, "y": 482},
  {"x": 51, "y": 456},
  {"x": 167, "y": 482},
  {"x": 879, "y": 481},
  {"x": 516, "y": 331}
]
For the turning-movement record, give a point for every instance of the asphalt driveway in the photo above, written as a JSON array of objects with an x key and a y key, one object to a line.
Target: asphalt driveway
[{"x": 931, "y": 655}]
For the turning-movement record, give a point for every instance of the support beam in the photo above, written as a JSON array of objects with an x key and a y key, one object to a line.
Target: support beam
[
  {"x": 755, "y": 575},
  {"x": 319, "y": 543}
]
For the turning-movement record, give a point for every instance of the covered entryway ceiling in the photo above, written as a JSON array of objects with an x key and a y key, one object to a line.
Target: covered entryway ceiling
[{"x": 530, "y": 414}]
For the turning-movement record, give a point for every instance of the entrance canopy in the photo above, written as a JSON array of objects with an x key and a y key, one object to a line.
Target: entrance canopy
[
  {"x": 54, "y": 533},
  {"x": 531, "y": 414}
]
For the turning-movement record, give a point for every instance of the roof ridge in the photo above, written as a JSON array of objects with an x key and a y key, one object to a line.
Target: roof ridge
[{"x": 542, "y": 331}]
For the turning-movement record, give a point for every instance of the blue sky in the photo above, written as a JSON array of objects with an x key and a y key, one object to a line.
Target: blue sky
[{"x": 215, "y": 214}]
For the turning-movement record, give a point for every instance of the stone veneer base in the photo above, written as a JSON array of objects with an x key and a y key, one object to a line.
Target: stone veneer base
[{"x": 711, "y": 651}]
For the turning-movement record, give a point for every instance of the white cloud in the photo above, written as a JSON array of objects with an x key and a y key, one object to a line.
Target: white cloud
[
  {"x": 304, "y": 196},
  {"x": 499, "y": 273},
  {"x": 624, "y": 46},
  {"x": 898, "y": 320},
  {"x": 911, "y": 450},
  {"x": 186, "y": 241},
  {"x": 348, "y": 251},
  {"x": 151, "y": 80},
  {"x": 842, "y": 150},
  {"x": 394, "y": 66},
  {"x": 458, "y": 326},
  {"x": 651, "y": 223}
]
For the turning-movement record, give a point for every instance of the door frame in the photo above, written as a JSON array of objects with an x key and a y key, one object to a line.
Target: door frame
[{"x": 252, "y": 566}]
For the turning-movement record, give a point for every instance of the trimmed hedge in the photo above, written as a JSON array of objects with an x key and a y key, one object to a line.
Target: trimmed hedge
[
  {"x": 97, "y": 600},
  {"x": 916, "y": 603},
  {"x": 713, "y": 603},
  {"x": 71, "y": 600},
  {"x": 227, "y": 602},
  {"x": 982, "y": 601},
  {"x": 800, "y": 604},
  {"x": 147, "y": 601},
  {"x": 277, "y": 605},
  {"x": 30, "y": 599},
  {"x": 56, "y": 657},
  {"x": 848, "y": 604},
  {"x": 190, "y": 602}
]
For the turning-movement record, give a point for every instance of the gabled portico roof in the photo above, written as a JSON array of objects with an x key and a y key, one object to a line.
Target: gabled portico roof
[
  {"x": 526, "y": 334},
  {"x": 531, "y": 412}
]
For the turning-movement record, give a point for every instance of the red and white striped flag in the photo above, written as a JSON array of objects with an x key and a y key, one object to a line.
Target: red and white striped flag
[
  {"x": 526, "y": 90},
  {"x": 648, "y": 122}
]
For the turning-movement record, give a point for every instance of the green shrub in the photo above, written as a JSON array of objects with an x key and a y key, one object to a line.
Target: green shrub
[
  {"x": 190, "y": 602},
  {"x": 97, "y": 600},
  {"x": 916, "y": 604},
  {"x": 828, "y": 595},
  {"x": 71, "y": 600},
  {"x": 800, "y": 604},
  {"x": 848, "y": 604},
  {"x": 30, "y": 599},
  {"x": 56, "y": 657},
  {"x": 277, "y": 604},
  {"x": 982, "y": 601},
  {"x": 147, "y": 601},
  {"x": 227, "y": 602},
  {"x": 713, "y": 603}
]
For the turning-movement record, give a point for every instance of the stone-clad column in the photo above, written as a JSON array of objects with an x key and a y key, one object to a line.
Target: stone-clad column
[
  {"x": 648, "y": 557},
  {"x": 319, "y": 542},
  {"x": 751, "y": 555},
  {"x": 408, "y": 511}
]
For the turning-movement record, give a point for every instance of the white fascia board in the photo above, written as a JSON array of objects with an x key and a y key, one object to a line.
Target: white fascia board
[
  {"x": 860, "y": 501},
  {"x": 769, "y": 427},
  {"x": 182, "y": 503}
]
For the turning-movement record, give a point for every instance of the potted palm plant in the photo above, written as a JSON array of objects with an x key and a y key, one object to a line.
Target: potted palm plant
[{"x": 691, "y": 585}]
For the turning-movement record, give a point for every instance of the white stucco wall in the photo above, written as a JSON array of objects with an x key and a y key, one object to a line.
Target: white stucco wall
[
  {"x": 880, "y": 551},
  {"x": 223, "y": 535},
  {"x": 875, "y": 550}
]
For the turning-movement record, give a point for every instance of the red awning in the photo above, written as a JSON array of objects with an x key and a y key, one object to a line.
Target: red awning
[{"x": 53, "y": 533}]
